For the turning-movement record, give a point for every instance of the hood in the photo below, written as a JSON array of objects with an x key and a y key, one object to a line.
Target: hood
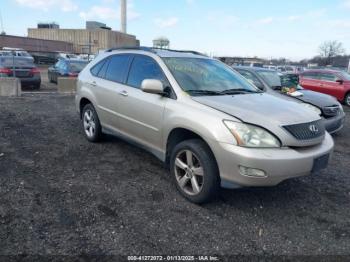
[
  {"x": 317, "y": 99},
  {"x": 264, "y": 110}
]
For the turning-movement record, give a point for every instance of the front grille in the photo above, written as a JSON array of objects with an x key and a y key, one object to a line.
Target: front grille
[
  {"x": 330, "y": 111},
  {"x": 307, "y": 131}
]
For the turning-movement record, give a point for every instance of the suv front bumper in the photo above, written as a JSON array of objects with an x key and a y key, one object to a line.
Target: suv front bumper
[{"x": 278, "y": 164}]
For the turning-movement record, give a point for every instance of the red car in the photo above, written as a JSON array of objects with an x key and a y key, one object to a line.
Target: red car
[{"x": 331, "y": 82}]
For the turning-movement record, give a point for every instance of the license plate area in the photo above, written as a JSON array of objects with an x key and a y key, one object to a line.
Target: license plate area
[{"x": 320, "y": 163}]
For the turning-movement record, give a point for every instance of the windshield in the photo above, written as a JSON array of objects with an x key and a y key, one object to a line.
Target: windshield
[
  {"x": 77, "y": 67},
  {"x": 271, "y": 77},
  {"x": 199, "y": 75}
]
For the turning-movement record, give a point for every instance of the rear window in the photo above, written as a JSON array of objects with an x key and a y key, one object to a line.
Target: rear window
[
  {"x": 77, "y": 67},
  {"x": 16, "y": 61}
]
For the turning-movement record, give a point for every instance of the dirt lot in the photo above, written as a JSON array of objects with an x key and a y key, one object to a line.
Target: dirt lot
[{"x": 60, "y": 194}]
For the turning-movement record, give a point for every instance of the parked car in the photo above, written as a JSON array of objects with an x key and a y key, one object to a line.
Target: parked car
[
  {"x": 331, "y": 82},
  {"x": 22, "y": 68},
  {"x": 287, "y": 69},
  {"x": 271, "y": 81},
  {"x": 66, "y": 68},
  {"x": 206, "y": 122}
]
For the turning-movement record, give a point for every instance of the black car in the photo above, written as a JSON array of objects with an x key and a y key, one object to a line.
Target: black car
[
  {"x": 66, "y": 68},
  {"x": 277, "y": 84},
  {"x": 22, "y": 68}
]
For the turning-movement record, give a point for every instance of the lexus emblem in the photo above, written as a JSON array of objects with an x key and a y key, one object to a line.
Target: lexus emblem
[{"x": 313, "y": 128}]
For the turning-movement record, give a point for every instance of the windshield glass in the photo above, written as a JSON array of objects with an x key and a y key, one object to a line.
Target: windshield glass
[
  {"x": 7, "y": 61},
  {"x": 346, "y": 76},
  {"x": 196, "y": 75},
  {"x": 77, "y": 67},
  {"x": 271, "y": 77}
]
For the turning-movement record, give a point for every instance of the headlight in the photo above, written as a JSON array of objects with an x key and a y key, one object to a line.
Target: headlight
[
  {"x": 313, "y": 108},
  {"x": 251, "y": 136}
]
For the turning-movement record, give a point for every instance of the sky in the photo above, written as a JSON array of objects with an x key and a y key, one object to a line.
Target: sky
[{"x": 293, "y": 29}]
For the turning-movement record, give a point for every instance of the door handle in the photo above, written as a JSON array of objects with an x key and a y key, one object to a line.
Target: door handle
[
  {"x": 123, "y": 93},
  {"x": 93, "y": 83}
]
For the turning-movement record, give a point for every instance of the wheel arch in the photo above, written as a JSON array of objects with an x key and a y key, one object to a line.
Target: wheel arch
[
  {"x": 178, "y": 135},
  {"x": 82, "y": 103}
]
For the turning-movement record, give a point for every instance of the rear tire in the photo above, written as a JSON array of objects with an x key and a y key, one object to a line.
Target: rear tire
[
  {"x": 347, "y": 99},
  {"x": 91, "y": 124},
  {"x": 195, "y": 172}
]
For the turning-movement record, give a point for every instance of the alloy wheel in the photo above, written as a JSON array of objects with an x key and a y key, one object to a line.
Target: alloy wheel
[
  {"x": 189, "y": 172},
  {"x": 89, "y": 123}
]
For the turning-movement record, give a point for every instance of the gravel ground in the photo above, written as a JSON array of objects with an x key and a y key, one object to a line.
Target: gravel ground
[{"x": 61, "y": 195}]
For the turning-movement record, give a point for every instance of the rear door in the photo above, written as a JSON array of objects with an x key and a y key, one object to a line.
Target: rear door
[
  {"x": 311, "y": 81},
  {"x": 329, "y": 84},
  {"x": 141, "y": 114},
  {"x": 107, "y": 83}
]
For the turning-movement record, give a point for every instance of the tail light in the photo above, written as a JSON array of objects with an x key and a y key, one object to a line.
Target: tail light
[
  {"x": 34, "y": 71},
  {"x": 5, "y": 71},
  {"x": 73, "y": 74}
]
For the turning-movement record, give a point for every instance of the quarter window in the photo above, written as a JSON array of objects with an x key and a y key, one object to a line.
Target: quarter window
[
  {"x": 144, "y": 67},
  {"x": 96, "y": 69},
  {"x": 103, "y": 70},
  {"x": 117, "y": 68}
]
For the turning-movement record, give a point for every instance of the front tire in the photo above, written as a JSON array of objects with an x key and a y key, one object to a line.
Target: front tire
[
  {"x": 91, "y": 124},
  {"x": 195, "y": 172},
  {"x": 347, "y": 99}
]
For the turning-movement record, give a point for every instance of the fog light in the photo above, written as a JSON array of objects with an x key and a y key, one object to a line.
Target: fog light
[{"x": 251, "y": 172}]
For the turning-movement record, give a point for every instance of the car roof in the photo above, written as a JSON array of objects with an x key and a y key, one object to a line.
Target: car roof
[
  {"x": 255, "y": 69},
  {"x": 73, "y": 60},
  {"x": 164, "y": 53},
  {"x": 322, "y": 71}
]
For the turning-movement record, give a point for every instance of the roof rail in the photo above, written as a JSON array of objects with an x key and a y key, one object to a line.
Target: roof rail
[
  {"x": 152, "y": 49},
  {"x": 142, "y": 48},
  {"x": 180, "y": 51}
]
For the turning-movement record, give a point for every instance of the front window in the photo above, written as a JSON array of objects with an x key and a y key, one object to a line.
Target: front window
[
  {"x": 199, "y": 76},
  {"x": 271, "y": 77}
]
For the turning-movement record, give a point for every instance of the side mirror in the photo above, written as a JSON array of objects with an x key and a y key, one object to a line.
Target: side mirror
[
  {"x": 152, "y": 86},
  {"x": 340, "y": 81}
]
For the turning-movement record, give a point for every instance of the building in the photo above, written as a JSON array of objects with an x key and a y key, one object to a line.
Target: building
[
  {"x": 34, "y": 44},
  {"x": 43, "y": 51},
  {"x": 86, "y": 41},
  {"x": 52, "y": 25},
  {"x": 91, "y": 25}
]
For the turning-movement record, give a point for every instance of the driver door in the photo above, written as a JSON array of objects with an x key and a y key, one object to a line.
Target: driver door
[{"x": 140, "y": 113}]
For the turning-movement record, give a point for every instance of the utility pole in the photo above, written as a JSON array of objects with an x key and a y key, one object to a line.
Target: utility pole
[{"x": 2, "y": 25}]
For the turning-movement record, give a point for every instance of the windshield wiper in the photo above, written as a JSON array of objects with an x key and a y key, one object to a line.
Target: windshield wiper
[
  {"x": 204, "y": 92},
  {"x": 238, "y": 91},
  {"x": 276, "y": 87}
]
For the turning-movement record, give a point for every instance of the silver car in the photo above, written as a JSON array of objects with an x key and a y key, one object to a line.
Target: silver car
[{"x": 209, "y": 125}]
